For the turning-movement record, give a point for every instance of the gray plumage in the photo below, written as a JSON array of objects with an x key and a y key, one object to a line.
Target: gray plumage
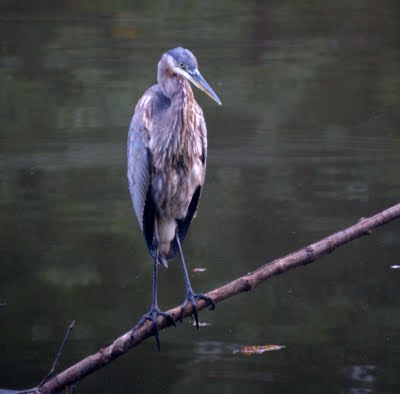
[
  {"x": 167, "y": 148},
  {"x": 167, "y": 152}
]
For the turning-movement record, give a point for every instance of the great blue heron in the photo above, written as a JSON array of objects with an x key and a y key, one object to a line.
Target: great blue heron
[{"x": 167, "y": 152}]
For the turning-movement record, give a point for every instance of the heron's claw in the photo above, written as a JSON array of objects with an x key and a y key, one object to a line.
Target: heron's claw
[
  {"x": 152, "y": 316},
  {"x": 193, "y": 298}
]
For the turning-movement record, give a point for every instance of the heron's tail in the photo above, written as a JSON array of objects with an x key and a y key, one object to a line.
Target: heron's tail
[{"x": 162, "y": 260}]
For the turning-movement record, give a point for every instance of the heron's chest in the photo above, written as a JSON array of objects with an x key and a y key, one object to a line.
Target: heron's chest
[{"x": 174, "y": 185}]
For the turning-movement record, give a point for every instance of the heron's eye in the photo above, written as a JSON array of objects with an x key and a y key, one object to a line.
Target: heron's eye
[{"x": 181, "y": 65}]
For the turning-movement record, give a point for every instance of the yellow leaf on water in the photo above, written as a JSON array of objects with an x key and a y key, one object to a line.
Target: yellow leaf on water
[{"x": 251, "y": 350}]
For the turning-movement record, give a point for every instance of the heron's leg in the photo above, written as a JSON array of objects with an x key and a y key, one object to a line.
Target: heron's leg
[
  {"x": 155, "y": 310},
  {"x": 154, "y": 304},
  {"x": 190, "y": 294}
]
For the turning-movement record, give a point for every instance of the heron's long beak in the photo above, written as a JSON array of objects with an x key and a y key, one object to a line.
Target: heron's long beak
[{"x": 197, "y": 79}]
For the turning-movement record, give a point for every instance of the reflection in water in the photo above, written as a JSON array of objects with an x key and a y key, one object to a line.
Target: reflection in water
[
  {"x": 364, "y": 374},
  {"x": 307, "y": 142},
  {"x": 212, "y": 349},
  {"x": 83, "y": 275}
]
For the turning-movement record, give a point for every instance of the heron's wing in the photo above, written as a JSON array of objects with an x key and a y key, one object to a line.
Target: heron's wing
[{"x": 139, "y": 177}]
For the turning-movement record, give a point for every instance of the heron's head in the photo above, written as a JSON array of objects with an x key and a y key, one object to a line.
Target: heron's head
[{"x": 180, "y": 61}]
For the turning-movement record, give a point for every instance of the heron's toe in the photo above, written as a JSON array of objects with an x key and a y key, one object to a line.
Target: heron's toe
[
  {"x": 152, "y": 316},
  {"x": 193, "y": 298}
]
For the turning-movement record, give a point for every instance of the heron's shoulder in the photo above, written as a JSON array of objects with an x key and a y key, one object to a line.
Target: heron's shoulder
[
  {"x": 152, "y": 103},
  {"x": 153, "y": 100}
]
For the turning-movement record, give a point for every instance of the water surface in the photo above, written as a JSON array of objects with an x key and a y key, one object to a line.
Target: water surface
[{"x": 307, "y": 142}]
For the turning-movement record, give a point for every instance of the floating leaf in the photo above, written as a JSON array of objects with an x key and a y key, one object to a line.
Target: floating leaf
[
  {"x": 251, "y": 350},
  {"x": 199, "y": 269}
]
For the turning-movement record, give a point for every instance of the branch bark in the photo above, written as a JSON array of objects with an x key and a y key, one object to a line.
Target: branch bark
[{"x": 247, "y": 282}]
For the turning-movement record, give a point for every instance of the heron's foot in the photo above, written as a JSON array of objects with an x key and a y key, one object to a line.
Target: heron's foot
[
  {"x": 193, "y": 298},
  {"x": 152, "y": 316}
]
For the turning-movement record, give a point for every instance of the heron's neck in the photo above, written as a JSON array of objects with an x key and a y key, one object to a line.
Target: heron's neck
[
  {"x": 178, "y": 139},
  {"x": 182, "y": 107},
  {"x": 183, "y": 94}
]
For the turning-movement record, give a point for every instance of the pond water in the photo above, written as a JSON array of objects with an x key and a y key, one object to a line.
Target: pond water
[{"x": 307, "y": 142}]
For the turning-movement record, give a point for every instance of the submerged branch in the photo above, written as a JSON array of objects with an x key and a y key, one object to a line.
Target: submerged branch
[{"x": 247, "y": 282}]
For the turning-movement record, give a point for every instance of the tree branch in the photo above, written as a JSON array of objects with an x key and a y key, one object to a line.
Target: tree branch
[
  {"x": 247, "y": 282},
  {"x": 53, "y": 367}
]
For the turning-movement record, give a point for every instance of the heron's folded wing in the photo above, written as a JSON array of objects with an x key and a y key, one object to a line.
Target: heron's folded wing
[
  {"x": 139, "y": 169},
  {"x": 139, "y": 179}
]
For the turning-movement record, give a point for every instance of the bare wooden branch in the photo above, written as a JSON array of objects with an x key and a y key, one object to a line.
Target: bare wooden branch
[
  {"x": 53, "y": 367},
  {"x": 247, "y": 282}
]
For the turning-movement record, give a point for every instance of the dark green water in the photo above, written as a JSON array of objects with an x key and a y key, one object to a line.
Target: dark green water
[{"x": 306, "y": 143}]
